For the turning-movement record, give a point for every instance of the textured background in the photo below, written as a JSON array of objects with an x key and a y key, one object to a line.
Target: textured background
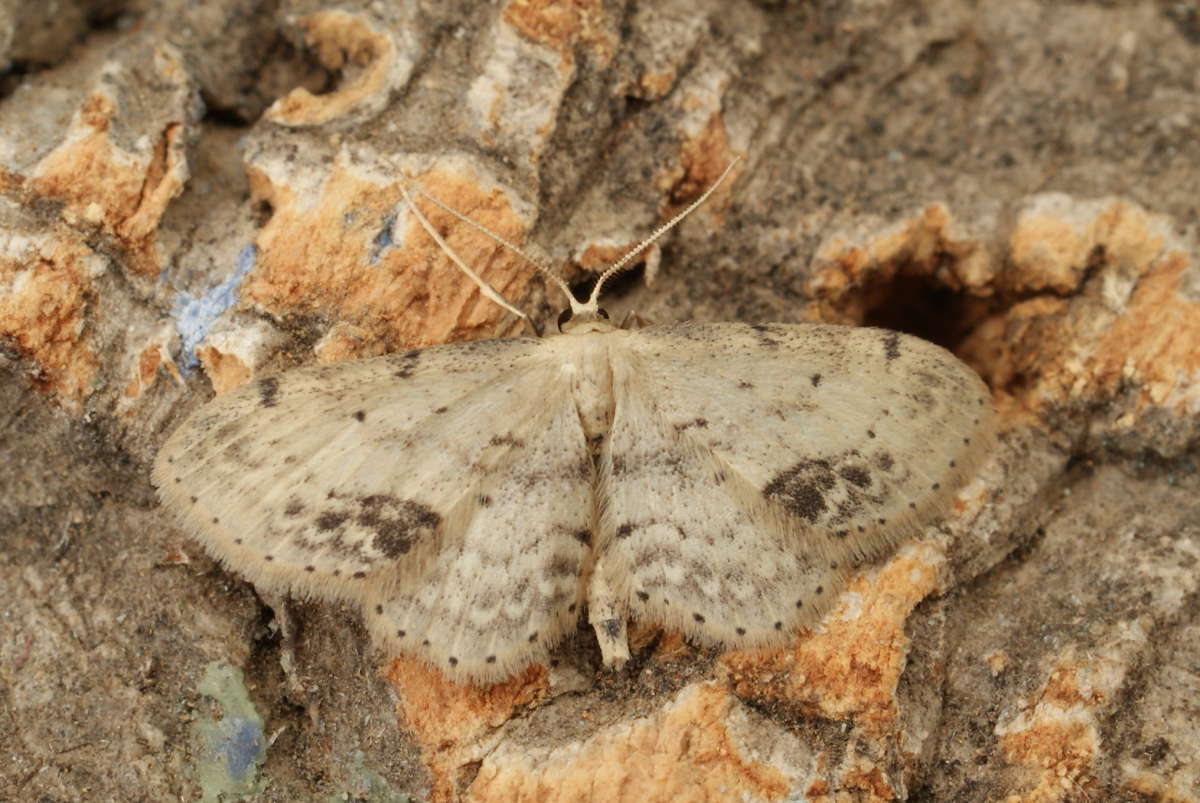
[{"x": 198, "y": 193}]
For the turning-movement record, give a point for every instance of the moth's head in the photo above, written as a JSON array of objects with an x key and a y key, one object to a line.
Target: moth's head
[{"x": 581, "y": 319}]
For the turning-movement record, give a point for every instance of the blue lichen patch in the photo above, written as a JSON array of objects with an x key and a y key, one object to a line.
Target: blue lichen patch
[
  {"x": 195, "y": 316},
  {"x": 230, "y": 746}
]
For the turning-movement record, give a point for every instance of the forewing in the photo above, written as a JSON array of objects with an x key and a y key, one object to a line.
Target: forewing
[
  {"x": 748, "y": 465},
  {"x": 319, "y": 479}
]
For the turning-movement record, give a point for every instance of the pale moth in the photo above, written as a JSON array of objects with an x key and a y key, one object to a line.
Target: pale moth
[{"x": 475, "y": 498}]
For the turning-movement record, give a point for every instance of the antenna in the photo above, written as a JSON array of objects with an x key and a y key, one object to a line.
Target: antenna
[
  {"x": 577, "y": 308},
  {"x": 484, "y": 287},
  {"x": 623, "y": 263}
]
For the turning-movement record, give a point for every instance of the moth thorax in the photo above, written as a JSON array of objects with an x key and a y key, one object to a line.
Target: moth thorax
[{"x": 591, "y": 382}]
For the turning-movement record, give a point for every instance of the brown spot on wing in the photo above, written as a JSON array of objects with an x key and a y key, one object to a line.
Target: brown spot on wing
[
  {"x": 891, "y": 345},
  {"x": 856, "y": 475},
  {"x": 268, "y": 391},
  {"x": 331, "y": 520},
  {"x": 406, "y": 363},
  {"x": 397, "y": 523},
  {"x": 764, "y": 335},
  {"x": 506, "y": 440},
  {"x": 801, "y": 489}
]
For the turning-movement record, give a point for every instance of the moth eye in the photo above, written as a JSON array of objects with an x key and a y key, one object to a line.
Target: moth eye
[
  {"x": 563, "y": 317},
  {"x": 603, "y": 313}
]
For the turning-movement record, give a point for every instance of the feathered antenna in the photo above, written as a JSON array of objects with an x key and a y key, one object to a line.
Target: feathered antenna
[{"x": 577, "y": 307}]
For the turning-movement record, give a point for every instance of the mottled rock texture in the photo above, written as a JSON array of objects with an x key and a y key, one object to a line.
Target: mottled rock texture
[{"x": 193, "y": 194}]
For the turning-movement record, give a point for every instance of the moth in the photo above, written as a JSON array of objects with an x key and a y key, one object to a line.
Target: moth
[{"x": 476, "y": 499}]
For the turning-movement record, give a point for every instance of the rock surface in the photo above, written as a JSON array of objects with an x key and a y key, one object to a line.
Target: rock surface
[{"x": 195, "y": 194}]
